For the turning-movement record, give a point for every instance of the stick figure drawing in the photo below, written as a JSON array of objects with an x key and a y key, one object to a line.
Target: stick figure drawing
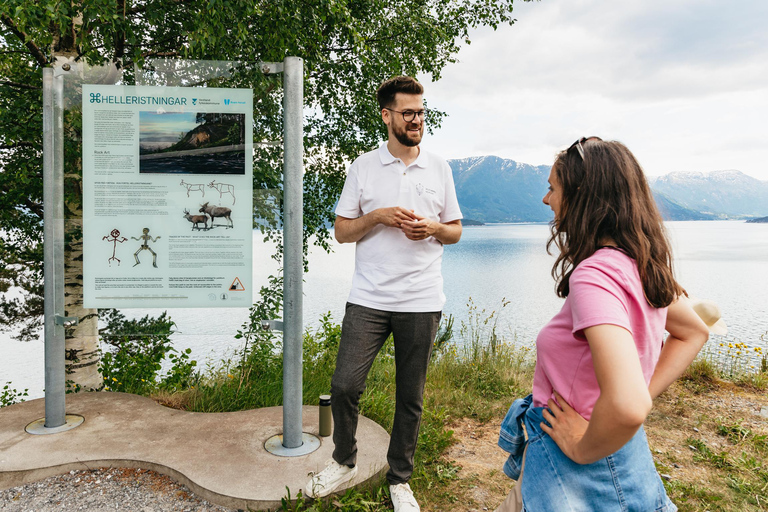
[{"x": 115, "y": 234}]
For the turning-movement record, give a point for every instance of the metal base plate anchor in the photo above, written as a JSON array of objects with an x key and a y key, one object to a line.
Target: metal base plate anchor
[
  {"x": 38, "y": 427},
  {"x": 274, "y": 445}
]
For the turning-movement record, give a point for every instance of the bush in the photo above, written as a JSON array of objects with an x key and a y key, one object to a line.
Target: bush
[
  {"x": 11, "y": 396},
  {"x": 137, "y": 351}
]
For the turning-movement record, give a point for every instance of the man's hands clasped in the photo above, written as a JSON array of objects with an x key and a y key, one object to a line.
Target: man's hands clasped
[
  {"x": 394, "y": 216},
  {"x": 420, "y": 228},
  {"x": 413, "y": 226}
]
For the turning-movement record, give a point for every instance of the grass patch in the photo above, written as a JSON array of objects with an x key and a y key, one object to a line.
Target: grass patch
[
  {"x": 739, "y": 362},
  {"x": 701, "y": 376},
  {"x": 692, "y": 497},
  {"x": 715, "y": 459},
  {"x": 734, "y": 361}
]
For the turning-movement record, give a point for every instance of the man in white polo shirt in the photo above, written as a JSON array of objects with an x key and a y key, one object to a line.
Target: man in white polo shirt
[{"x": 399, "y": 206}]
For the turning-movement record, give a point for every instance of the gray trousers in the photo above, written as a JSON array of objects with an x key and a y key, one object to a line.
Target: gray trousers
[{"x": 363, "y": 333}]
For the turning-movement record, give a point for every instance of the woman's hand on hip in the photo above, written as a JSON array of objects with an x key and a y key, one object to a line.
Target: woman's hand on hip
[{"x": 567, "y": 426}]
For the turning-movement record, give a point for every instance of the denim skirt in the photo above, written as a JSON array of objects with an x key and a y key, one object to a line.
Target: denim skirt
[{"x": 625, "y": 481}]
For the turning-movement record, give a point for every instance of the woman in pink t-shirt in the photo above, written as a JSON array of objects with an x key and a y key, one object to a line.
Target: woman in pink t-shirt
[{"x": 602, "y": 359}]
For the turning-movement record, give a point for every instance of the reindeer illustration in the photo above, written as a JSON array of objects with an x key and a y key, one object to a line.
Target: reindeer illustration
[
  {"x": 196, "y": 219},
  {"x": 223, "y": 188},
  {"x": 194, "y": 186},
  {"x": 217, "y": 211}
]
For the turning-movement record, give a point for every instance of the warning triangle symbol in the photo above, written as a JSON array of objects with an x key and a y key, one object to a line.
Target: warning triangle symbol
[{"x": 236, "y": 286}]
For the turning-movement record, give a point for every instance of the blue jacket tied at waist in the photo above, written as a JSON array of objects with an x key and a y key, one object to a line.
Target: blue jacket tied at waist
[
  {"x": 625, "y": 481},
  {"x": 512, "y": 436}
]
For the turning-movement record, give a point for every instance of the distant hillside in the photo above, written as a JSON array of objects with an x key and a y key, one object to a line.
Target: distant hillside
[
  {"x": 761, "y": 220},
  {"x": 213, "y": 130},
  {"x": 203, "y": 136},
  {"x": 670, "y": 210},
  {"x": 722, "y": 193},
  {"x": 493, "y": 189}
]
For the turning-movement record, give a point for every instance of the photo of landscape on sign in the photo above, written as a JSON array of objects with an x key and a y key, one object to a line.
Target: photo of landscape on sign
[{"x": 191, "y": 143}]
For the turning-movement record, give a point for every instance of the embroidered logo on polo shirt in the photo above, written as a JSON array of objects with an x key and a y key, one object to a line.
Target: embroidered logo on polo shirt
[{"x": 420, "y": 188}]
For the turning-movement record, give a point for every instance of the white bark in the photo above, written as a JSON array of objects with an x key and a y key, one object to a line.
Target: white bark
[{"x": 81, "y": 341}]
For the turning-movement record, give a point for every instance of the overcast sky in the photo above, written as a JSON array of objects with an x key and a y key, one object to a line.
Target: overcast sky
[{"x": 683, "y": 83}]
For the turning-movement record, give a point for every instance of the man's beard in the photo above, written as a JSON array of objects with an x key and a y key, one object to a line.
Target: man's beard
[{"x": 403, "y": 138}]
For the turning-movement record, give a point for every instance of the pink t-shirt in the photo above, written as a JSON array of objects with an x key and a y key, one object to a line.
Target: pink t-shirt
[{"x": 604, "y": 289}]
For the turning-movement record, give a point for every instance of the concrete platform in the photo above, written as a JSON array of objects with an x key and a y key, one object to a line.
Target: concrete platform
[{"x": 219, "y": 456}]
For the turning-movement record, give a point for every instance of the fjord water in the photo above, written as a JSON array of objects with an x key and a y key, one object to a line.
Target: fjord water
[{"x": 726, "y": 261}]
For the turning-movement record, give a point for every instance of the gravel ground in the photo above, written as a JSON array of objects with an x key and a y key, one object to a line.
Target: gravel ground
[{"x": 102, "y": 490}]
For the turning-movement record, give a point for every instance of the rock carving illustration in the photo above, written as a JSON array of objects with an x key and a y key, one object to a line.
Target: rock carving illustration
[
  {"x": 223, "y": 188},
  {"x": 145, "y": 239},
  {"x": 115, "y": 238},
  {"x": 194, "y": 187}
]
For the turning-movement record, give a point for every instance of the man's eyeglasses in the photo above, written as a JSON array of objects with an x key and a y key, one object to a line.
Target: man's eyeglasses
[
  {"x": 410, "y": 115},
  {"x": 579, "y": 145}
]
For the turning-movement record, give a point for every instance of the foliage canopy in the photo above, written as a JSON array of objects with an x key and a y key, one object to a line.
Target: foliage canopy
[{"x": 348, "y": 47}]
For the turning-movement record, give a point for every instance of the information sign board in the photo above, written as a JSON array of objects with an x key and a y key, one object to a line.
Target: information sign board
[{"x": 167, "y": 197}]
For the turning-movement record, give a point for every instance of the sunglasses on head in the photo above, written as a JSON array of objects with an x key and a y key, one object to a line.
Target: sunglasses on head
[{"x": 579, "y": 145}]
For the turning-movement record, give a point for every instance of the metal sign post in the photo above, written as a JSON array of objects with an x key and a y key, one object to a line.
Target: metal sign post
[
  {"x": 293, "y": 270},
  {"x": 293, "y": 442},
  {"x": 55, "y": 420}
]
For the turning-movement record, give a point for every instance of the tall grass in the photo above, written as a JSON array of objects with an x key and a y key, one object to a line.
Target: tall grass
[
  {"x": 730, "y": 359},
  {"x": 477, "y": 373}
]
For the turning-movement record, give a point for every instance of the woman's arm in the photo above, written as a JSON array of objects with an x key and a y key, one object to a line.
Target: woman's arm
[
  {"x": 687, "y": 334},
  {"x": 621, "y": 409}
]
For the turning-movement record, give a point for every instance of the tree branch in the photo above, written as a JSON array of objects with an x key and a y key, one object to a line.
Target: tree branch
[
  {"x": 36, "y": 208},
  {"x": 32, "y": 206},
  {"x": 140, "y": 9},
  {"x": 21, "y": 86},
  {"x": 17, "y": 145},
  {"x": 120, "y": 36},
  {"x": 39, "y": 56},
  {"x": 160, "y": 54}
]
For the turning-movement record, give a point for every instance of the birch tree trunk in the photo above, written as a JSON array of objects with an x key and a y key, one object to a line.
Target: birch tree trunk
[{"x": 81, "y": 341}]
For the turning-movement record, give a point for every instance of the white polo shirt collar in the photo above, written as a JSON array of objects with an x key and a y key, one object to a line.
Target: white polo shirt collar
[{"x": 387, "y": 158}]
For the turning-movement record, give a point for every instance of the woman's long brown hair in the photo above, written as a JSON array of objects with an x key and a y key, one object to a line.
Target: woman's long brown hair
[{"x": 605, "y": 197}]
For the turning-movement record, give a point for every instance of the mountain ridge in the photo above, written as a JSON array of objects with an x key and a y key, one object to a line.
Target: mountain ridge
[{"x": 494, "y": 189}]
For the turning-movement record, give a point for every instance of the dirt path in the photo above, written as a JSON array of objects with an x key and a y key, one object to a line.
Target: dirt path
[{"x": 482, "y": 484}]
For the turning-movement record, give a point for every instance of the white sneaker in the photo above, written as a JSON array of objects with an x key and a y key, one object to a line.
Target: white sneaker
[
  {"x": 328, "y": 480},
  {"x": 402, "y": 498}
]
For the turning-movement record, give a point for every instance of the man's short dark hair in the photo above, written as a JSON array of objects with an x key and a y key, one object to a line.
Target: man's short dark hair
[{"x": 403, "y": 84}]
